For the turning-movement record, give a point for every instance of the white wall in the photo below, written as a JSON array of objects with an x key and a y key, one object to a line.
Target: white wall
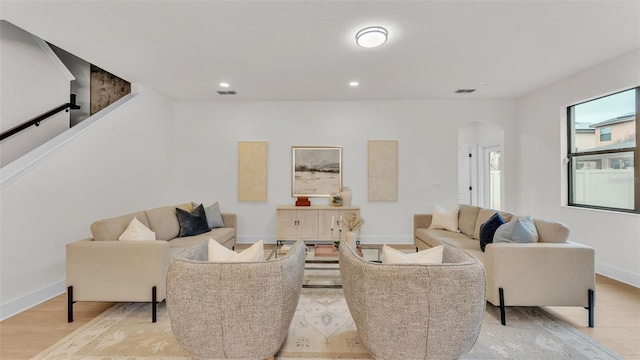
[
  {"x": 43, "y": 86},
  {"x": 81, "y": 86},
  {"x": 119, "y": 164},
  {"x": 427, "y": 132},
  {"x": 542, "y": 175}
]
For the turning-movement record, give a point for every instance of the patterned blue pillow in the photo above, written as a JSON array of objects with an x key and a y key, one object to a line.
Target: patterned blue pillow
[{"x": 489, "y": 228}]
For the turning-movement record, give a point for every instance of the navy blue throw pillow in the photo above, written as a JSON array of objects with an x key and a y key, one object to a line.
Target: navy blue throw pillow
[
  {"x": 488, "y": 229},
  {"x": 192, "y": 223}
]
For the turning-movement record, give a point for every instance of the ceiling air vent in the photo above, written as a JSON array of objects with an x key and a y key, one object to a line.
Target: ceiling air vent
[
  {"x": 465, "y": 91},
  {"x": 232, "y": 92}
]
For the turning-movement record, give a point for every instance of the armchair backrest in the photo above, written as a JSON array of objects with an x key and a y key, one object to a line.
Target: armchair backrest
[
  {"x": 415, "y": 311},
  {"x": 230, "y": 309}
]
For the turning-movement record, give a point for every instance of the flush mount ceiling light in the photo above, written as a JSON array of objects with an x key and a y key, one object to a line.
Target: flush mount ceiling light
[
  {"x": 354, "y": 83},
  {"x": 224, "y": 84},
  {"x": 372, "y": 36}
]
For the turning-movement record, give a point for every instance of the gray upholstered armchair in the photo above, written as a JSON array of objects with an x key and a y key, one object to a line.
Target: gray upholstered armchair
[
  {"x": 415, "y": 311},
  {"x": 233, "y": 310}
]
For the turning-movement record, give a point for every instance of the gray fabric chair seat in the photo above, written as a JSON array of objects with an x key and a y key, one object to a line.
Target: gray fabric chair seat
[
  {"x": 415, "y": 311},
  {"x": 233, "y": 310}
]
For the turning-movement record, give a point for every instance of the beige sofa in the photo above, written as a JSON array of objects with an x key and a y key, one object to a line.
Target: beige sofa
[
  {"x": 551, "y": 272},
  {"x": 103, "y": 268}
]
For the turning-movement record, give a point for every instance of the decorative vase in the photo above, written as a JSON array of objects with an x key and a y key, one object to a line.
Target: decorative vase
[
  {"x": 350, "y": 239},
  {"x": 345, "y": 193}
]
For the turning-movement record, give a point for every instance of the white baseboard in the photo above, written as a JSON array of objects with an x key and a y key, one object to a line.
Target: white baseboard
[
  {"x": 618, "y": 274},
  {"x": 32, "y": 299},
  {"x": 400, "y": 240}
]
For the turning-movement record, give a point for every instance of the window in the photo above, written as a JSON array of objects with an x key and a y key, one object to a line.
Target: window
[
  {"x": 605, "y": 134},
  {"x": 602, "y": 152}
]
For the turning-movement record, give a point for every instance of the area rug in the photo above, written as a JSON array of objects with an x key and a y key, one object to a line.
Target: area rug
[{"x": 321, "y": 328}]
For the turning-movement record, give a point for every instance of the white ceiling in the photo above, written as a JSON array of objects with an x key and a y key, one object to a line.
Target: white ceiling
[{"x": 305, "y": 50}]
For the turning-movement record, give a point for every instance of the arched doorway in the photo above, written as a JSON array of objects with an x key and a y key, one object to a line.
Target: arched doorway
[{"x": 480, "y": 170}]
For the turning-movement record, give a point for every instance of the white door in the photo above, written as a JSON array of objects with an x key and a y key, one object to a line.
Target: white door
[{"x": 467, "y": 174}]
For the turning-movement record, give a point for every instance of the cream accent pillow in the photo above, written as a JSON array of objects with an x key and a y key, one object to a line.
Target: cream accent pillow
[
  {"x": 428, "y": 256},
  {"x": 254, "y": 253},
  {"x": 137, "y": 231},
  {"x": 444, "y": 219}
]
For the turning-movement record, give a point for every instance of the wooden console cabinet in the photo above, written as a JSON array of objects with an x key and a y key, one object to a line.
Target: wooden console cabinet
[{"x": 310, "y": 222}]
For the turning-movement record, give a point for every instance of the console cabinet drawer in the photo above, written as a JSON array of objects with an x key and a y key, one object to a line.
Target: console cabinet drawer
[{"x": 310, "y": 222}]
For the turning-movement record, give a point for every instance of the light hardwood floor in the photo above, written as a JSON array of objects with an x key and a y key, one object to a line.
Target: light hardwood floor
[{"x": 617, "y": 322}]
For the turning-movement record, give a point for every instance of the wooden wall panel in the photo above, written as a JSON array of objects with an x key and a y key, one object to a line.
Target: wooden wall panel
[
  {"x": 382, "y": 177},
  {"x": 252, "y": 171}
]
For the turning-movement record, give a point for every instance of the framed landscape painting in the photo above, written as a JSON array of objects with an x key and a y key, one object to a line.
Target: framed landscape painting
[{"x": 316, "y": 171}]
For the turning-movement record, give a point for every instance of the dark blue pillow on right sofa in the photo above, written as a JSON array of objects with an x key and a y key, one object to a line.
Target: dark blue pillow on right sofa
[{"x": 489, "y": 228}]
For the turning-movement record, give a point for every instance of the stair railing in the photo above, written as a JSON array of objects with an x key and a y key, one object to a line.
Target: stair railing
[{"x": 71, "y": 105}]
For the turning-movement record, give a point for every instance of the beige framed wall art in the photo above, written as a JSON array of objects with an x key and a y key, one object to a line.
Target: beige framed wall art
[
  {"x": 382, "y": 177},
  {"x": 316, "y": 171},
  {"x": 252, "y": 171}
]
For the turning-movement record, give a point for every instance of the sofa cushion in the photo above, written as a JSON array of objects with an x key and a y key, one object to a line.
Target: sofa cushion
[
  {"x": 137, "y": 231},
  {"x": 221, "y": 235},
  {"x": 435, "y": 237},
  {"x": 484, "y": 215},
  {"x": 477, "y": 254},
  {"x": 192, "y": 223},
  {"x": 214, "y": 216},
  {"x": 112, "y": 228},
  {"x": 464, "y": 243},
  {"x": 423, "y": 235},
  {"x": 467, "y": 216},
  {"x": 164, "y": 221},
  {"x": 521, "y": 230},
  {"x": 428, "y": 256},
  {"x": 446, "y": 219},
  {"x": 488, "y": 229},
  {"x": 551, "y": 232}
]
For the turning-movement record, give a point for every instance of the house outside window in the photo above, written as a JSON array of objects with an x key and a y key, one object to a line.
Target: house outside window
[
  {"x": 605, "y": 134},
  {"x": 602, "y": 152}
]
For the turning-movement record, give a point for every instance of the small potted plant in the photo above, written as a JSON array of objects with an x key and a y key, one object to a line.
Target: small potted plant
[{"x": 336, "y": 200}]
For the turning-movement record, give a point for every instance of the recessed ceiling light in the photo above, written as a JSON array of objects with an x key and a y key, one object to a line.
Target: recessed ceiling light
[
  {"x": 354, "y": 83},
  {"x": 371, "y": 36},
  {"x": 224, "y": 84},
  {"x": 482, "y": 83}
]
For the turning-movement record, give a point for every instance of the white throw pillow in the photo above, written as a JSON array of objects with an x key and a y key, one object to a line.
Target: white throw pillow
[
  {"x": 137, "y": 231},
  {"x": 254, "y": 253},
  {"x": 444, "y": 219},
  {"x": 429, "y": 256}
]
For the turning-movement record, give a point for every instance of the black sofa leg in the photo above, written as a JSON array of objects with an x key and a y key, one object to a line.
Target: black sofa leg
[
  {"x": 153, "y": 304},
  {"x": 592, "y": 308},
  {"x": 503, "y": 318},
  {"x": 70, "y": 304}
]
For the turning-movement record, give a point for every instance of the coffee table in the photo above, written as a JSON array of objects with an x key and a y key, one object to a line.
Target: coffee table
[{"x": 321, "y": 270}]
